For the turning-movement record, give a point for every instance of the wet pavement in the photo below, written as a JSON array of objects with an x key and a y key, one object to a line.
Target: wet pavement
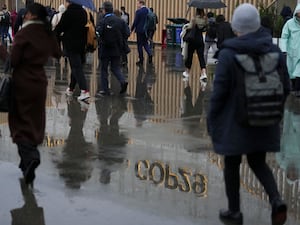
[{"x": 145, "y": 158}]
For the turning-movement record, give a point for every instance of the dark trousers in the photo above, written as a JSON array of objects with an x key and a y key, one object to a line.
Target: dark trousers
[
  {"x": 77, "y": 76},
  {"x": 142, "y": 42},
  {"x": 200, "y": 53},
  {"x": 257, "y": 162},
  {"x": 27, "y": 153},
  {"x": 115, "y": 69}
]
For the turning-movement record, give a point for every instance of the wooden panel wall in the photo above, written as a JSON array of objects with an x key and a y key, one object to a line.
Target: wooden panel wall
[{"x": 166, "y": 9}]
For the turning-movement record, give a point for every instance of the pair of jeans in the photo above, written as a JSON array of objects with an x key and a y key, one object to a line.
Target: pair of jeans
[
  {"x": 115, "y": 68},
  {"x": 257, "y": 163},
  {"x": 77, "y": 76}
]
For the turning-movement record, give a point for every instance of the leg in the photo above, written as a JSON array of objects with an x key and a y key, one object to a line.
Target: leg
[
  {"x": 77, "y": 70},
  {"x": 104, "y": 75},
  {"x": 206, "y": 49},
  {"x": 257, "y": 162},
  {"x": 140, "y": 47},
  {"x": 189, "y": 60},
  {"x": 30, "y": 159},
  {"x": 116, "y": 70}
]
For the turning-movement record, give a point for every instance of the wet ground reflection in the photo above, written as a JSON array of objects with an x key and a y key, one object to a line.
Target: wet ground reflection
[{"x": 146, "y": 156}]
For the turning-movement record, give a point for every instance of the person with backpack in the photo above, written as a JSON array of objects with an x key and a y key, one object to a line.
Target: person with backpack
[
  {"x": 73, "y": 27},
  {"x": 192, "y": 38},
  {"x": 252, "y": 58},
  {"x": 210, "y": 36},
  {"x": 290, "y": 45},
  {"x": 151, "y": 26},
  {"x": 141, "y": 33},
  {"x": 112, "y": 32}
]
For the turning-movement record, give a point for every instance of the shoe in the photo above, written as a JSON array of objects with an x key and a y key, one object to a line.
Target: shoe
[
  {"x": 229, "y": 217},
  {"x": 29, "y": 173},
  {"x": 279, "y": 211},
  {"x": 83, "y": 95},
  {"x": 139, "y": 63},
  {"x": 203, "y": 85},
  {"x": 69, "y": 92},
  {"x": 185, "y": 74},
  {"x": 203, "y": 76},
  {"x": 102, "y": 94},
  {"x": 84, "y": 106},
  {"x": 150, "y": 59},
  {"x": 123, "y": 87}
]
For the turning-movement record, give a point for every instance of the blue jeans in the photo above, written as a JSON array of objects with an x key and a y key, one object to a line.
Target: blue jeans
[
  {"x": 115, "y": 68},
  {"x": 77, "y": 76}
]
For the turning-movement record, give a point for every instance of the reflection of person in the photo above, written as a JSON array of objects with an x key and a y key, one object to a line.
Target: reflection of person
[
  {"x": 229, "y": 137},
  {"x": 143, "y": 104},
  {"x": 75, "y": 167},
  {"x": 33, "y": 45},
  {"x": 110, "y": 139},
  {"x": 30, "y": 213},
  {"x": 290, "y": 44},
  {"x": 289, "y": 156}
]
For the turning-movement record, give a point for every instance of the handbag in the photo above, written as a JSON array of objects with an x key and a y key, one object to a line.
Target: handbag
[
  {"x": 5, "y": 87},
  {"x": 190, "y": 34}
]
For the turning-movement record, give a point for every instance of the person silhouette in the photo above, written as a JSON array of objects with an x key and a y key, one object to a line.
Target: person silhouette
[
  {"x": 75, "y": 166},
  {"x": 110, "y": 140},
  {"x": 30, "y": 213}
]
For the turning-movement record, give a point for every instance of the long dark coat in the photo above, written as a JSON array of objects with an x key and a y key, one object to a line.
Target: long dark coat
[
  {"x": 31, "y": 49},
  {"x": 228, "y": 137}
]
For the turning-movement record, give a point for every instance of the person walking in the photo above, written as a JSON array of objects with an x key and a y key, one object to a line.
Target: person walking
[
  {"x": 20, "y": 16},
  {"x": 224, "y": 30},
  {"x": 229, "y": 137},
  {"x": 33, "y": 45},
  {"x": 124, "y": 15},
  {"x": 198, "y": 23},
  {"x": 139, "y": 27},
  {"x": 72, "y": 26},
  {"x": 151, "y": 30},
  {"x": 4, "y": 25},
  {"x": 57, "y": 16},
  {"x": 210, "y": 36},
  {"x": 290, "y": 45},
  {"x": 112, "y": 32}
]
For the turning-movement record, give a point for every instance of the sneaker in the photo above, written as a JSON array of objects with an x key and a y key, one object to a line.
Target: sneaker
[
  {"x": 84, "y": 106},
  {"x": 83, "y": 95},
  {"x": 185, "y": 74},
  {"x": 69, "y": 92},
  {"x": 203, "y": 76},
  {"x": 229, "y": 217},
  {"x": 279, "y": 210},
  {"x": 203, "y": 85},
  {"x": 123, "y": 87}
]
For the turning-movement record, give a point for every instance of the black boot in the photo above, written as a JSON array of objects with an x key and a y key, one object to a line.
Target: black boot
[
  {"x": 279, "y": 210},
  {"x": 229, "y": 217},
  {"x": 123, "y": 87},
  {"x": 29, "y": 173}
]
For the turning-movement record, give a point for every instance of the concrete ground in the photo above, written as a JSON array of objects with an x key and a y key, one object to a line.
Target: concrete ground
[{"x": 144, "y": 159}]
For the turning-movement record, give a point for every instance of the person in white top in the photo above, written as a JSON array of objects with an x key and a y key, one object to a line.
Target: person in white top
[{"x": 57, "y": 16}]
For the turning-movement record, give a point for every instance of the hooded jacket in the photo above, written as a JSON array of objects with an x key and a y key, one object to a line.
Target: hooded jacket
[
  {"x": 228, "y": 137},
  {"x": 290, "y": 43}
]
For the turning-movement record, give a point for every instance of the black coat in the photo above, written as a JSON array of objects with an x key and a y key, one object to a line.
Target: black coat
[
  {"x": 123, "y": 34},
  {"x": 230, "y": 138},
  {"x": 224, "y": 32},
  {"x": 72, "y": 25}
]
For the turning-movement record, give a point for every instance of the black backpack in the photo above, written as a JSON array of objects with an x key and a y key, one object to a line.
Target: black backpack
[
  {"x": 112, "y": 35},
  {"x": 260, "y": 94}
]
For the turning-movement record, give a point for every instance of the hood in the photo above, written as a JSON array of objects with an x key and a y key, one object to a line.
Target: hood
[
  {"x": 259, "y": 42},
  {"x": 297, "y": 9}
]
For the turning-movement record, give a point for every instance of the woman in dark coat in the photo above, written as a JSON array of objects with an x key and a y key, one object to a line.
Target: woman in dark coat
[
  {"x": 32, "y": 47},
  {"x": 233, "y": 140}
]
